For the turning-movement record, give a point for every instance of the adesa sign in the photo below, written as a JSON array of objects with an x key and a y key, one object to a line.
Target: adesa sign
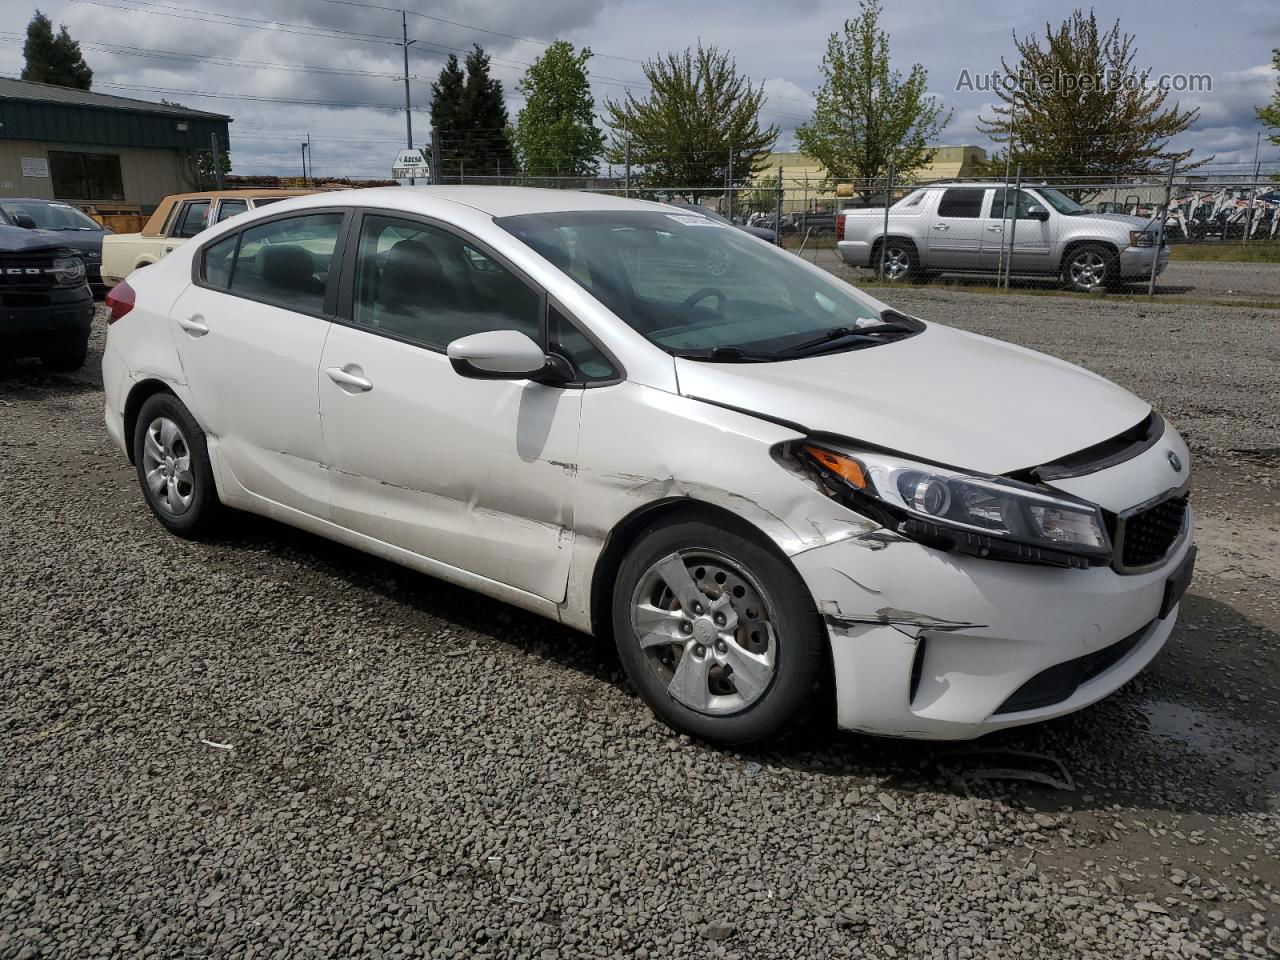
[{"x": 411, "y": 164}]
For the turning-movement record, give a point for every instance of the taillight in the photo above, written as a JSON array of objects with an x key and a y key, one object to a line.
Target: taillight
[
  {"x": 120, "y": 301},
  {"x": 839, "y": 227}
]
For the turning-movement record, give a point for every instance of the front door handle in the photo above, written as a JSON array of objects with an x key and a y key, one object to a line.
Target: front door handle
[
  {"x": 194, "y": 325},
  {"x": 941, "y": 226},
  {"x": 348, "y": 380},
  {"x": 996, "y": 229}
]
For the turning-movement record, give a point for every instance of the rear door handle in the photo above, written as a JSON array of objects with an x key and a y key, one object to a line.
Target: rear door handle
[
  {"x": 941, "y": 226},
  {"x": 194, "y": 325},
  {"x": 349, "y": 381}
]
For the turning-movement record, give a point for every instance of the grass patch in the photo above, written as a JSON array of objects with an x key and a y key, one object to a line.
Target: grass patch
[{"x": 1235, "y": 252}]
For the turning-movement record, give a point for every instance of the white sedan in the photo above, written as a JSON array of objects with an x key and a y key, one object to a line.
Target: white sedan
[{"x": 764, "y": 484}]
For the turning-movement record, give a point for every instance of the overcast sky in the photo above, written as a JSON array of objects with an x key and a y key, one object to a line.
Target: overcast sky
[{"x": 778, "y": 44}]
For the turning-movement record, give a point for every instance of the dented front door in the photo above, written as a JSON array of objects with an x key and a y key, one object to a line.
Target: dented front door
[{"x": 472, "y": 473}]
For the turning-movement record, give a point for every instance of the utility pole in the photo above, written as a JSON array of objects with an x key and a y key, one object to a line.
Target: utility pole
[
  {"x": 217, "y": 160},
  {"x": 311, "y": 161},
  {"x": 435, "y": 155},
  {"x": 304, "y": 164},
  {"x": 408, "y": 109}
]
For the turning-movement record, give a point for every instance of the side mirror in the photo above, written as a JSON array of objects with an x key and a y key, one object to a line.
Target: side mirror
[
  {"x": 506, "y": 355},
  {"x": 1037, "y": 212},
  {"x": 24, "y": 220}
]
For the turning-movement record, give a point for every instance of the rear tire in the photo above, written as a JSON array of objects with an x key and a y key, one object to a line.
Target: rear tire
[
  {"x": 174, "y": 471},
  {"x": 1089, "y": 267},
  {"x": 901, "y": 261},
  {"x": 745, "y": 661}
]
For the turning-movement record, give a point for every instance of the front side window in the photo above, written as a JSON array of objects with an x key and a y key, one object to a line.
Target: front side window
[
  {"x": 192, "y": 218},
  {"x": 1002, "y": 207},
  {"x": 419, "y": 283},
  {"x": 287, "y": 262},
  {"x": 964, "y": 203},
  {"x": 701, "y": 289},
  {"x": 229, "y": 208}
]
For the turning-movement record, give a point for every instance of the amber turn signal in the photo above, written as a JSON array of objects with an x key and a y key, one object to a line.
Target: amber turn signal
[{"x": 846, "y": 468}]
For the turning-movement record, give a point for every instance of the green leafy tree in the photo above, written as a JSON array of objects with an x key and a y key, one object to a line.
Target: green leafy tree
[
  {"x": 470, "y": 118},
  {"x": 700, "y": 112},
  {"x": 1269, "y": 116},
  {"x": 53, "y": 58},
  {"x": 555, "y": 132},
  {"x": 1075, "y": 106},
  {"x": 867, "y": 113}
]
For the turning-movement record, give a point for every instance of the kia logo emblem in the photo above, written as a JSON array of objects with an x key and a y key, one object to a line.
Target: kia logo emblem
[{"x": 1174, "y": 461}]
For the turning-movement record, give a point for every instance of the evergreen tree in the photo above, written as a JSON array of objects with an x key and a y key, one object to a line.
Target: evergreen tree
[
  {"x": 470, "y": 120},
  {"x": 1269, "y": 115},
  {"x": 555, "y": 131},
  {"x": 53, "y": 59}
]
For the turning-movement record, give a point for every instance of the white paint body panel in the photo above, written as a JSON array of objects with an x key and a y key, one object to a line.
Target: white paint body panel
[{"x": 516, "y": 489}]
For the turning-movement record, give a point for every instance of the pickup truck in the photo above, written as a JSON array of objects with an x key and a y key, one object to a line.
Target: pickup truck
[
  {"x": 971, "y": 228},
  {"x": 46, "y": 307},
  {"x": 178, "y": 218}
]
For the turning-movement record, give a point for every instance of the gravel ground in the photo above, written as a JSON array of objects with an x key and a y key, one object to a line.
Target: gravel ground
[{"x": 269, "y": 745}]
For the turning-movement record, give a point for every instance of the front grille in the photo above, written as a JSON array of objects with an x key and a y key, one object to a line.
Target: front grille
[
  {"x": 27, "y": 271},
  {"x": 1147, "y": 536},
  {"x": 1060, "y": 681}
]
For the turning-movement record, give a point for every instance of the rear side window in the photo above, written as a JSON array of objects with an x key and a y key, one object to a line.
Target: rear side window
[
  {"x": 217, "y": 262},
  {"x": 192, "y": 218},
  {"x": 961, "y": 203},
  {"x": 427, "y": 285},
  {"x": 229, "y": 208},
  {"x": 286, "y": 261}
]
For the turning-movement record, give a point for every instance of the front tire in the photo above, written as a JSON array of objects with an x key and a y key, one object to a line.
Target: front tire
[
  {"x": 172, "y": 460},
  {"x": 717, "y": 633},
  {"x": 1089, "y": 267}
]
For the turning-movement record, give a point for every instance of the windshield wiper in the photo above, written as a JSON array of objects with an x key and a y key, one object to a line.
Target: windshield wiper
[
  {"x": 841, "y": 333},
  {"x": 725, "y": 355}
]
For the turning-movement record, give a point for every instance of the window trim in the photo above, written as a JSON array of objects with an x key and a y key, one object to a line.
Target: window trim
[
  {"x": 344, "y": 313},
  {"x": 182, "y": 216},
  {"x": 329, "y": 307}
]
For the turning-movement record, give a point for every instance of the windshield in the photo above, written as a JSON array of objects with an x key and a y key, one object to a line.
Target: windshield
[
  {"x": 696, "y": 287},
  {"x": 1061, "y": 202},
  {"x": 51, "y": 216}
]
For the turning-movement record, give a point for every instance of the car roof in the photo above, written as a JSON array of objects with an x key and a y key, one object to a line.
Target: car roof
[
  {"x": 494, "y": 201},
  {"x": 253, "y": 194}
]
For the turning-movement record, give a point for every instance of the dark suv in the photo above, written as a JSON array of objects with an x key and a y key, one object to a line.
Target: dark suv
[{"x": 46, "y": 307}]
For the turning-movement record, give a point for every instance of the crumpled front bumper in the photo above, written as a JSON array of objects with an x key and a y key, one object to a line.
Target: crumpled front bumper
[{"x": 931, "y": 645}]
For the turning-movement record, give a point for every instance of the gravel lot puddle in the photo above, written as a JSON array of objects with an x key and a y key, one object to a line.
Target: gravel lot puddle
[{"x": 1217, "y": 738}]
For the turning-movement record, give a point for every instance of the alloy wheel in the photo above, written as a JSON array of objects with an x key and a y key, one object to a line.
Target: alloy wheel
[
  {"x": 1088, "y": 269},
  {"x": 706, "y": 628},
  {"x": 897, "y": 263},
  {"x": 166, "y": 465}
]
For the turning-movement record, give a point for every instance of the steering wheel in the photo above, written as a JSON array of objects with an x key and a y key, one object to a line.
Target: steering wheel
[{"x": 699, "y": 295}]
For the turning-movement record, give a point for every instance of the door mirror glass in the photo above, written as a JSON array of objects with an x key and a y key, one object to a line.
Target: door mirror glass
[
  {"x": 1037, "y": 212},
  {"x": 499, "y": 355},
  {"x": 24, "y": 220}
]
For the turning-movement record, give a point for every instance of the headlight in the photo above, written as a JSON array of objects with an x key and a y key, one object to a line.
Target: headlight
[
  {"x": 68, "y": 271},
  {"x": 1141, "y": 238},
  {"x": 985, "y": 516}
]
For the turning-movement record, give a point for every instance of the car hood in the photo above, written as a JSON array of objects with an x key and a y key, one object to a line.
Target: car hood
[
  {"x": 944, "y": 395},
  {"x": 1131, "y": 222}
]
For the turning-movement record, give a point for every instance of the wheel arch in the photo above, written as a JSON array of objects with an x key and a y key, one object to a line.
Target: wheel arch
[
  {"x": 140, "y": 393},
  {"x": 627, "y": 531},
  {"x": 1073, "y": 245}
]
